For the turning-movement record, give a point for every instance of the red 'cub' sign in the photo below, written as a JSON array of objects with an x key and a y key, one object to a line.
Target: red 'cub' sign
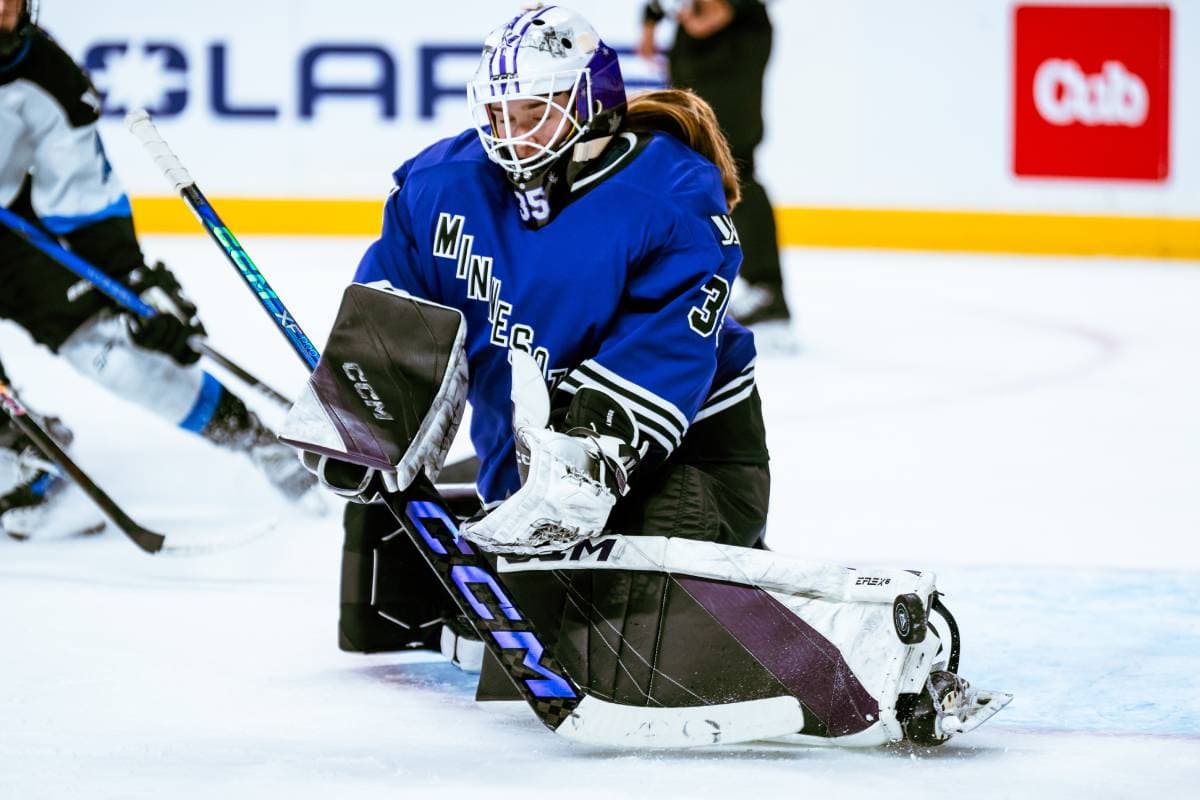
[{"x": 1092, "y": 91}]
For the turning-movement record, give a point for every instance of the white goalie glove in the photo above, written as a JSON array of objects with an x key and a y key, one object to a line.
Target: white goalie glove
[
  {"x": 563, "y": 501},
  {"x": 572, "y": 484}
]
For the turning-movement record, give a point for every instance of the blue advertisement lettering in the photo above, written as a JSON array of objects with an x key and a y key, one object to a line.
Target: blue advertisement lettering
[
  {"x": 383, "y": 89},
  {"x": 429, "y": 57},
  {"x": 218, "y": 90},
  {"x": 156, "y": 75}
]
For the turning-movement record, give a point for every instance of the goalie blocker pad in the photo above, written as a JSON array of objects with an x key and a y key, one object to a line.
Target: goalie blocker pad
[
  {"x": 656, "y": 622},
  {"x": 389, "y": 390}
]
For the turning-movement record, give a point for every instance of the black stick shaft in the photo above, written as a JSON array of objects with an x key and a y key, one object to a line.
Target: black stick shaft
[
  {"x": 147, "y": 540},
  {"x": 242, "y": 375}
]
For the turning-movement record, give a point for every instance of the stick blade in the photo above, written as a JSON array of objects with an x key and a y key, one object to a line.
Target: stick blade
[
  {"x": 599, "y": 722},
  {"x": 148, "y": 540}
]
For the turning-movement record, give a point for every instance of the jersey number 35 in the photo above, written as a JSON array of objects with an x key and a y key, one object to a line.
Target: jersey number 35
[{"x": 533, "y": 204}]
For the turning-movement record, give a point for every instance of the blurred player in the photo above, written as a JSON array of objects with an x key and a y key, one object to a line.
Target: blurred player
[
  {"x": 53, "y": 172},
  {"x": 720, "y": 51}
]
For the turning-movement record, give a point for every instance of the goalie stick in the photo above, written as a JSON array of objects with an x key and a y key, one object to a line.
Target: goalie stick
[
  {"x": 126, "y": 297},
  {"x": 508, "y": 633},
  {"x": 148, "y": 540}
]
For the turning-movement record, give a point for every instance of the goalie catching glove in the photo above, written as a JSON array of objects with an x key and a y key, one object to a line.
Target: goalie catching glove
[
  {"x": 387, "y": 396},
  {"x": 571, "y": 480}
]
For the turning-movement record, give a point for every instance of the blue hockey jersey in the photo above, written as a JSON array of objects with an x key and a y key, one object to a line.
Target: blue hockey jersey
[{"x": 625, "y": 290}]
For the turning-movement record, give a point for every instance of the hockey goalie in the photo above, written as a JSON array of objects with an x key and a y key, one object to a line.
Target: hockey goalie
[
  {"x": 617, "y": 589},
  {"x": 565, "y": 264}
]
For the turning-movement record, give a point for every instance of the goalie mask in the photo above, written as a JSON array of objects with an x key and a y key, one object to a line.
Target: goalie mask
[
  {"x": 545, "y": 84},
  {"x": 17, "y": 18}
]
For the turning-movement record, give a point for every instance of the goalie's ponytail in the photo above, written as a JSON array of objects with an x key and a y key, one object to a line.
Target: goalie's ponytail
[{"x": 686, "y": 116}]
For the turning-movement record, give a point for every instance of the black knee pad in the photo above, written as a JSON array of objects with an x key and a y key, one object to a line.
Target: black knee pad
[{"x": 390, "y": 597}]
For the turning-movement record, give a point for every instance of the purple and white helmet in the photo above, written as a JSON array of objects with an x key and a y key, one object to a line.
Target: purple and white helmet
[{"x": 552, "y": 55}]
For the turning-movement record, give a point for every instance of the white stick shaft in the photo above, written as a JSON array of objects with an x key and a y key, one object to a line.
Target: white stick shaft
[{"x": 141, "y": 126}]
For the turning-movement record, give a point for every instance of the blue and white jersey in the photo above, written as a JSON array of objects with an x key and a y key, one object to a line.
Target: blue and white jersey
[
  {"x": 48, "y": 133},
  {"x": 624, "y": 290}
]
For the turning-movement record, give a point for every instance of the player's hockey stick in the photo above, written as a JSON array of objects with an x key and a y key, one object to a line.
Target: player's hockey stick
[
  {"x": 141, "y": 126},
  {"x": 505, "y": 629},
  {"x": 192, "y": 548},
  {"x": 148, "y": 540},
  {"x": 126, "y": 297}
]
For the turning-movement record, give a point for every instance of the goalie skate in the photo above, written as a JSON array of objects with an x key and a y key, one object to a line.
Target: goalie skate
[{"x": 948, "y": 706}]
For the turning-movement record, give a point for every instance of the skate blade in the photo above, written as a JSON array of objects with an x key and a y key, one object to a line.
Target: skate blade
[
  {"x": 983, "y": 705},
  {"x": 92, "y": 530},
  {"x": 89, "y": 529}
]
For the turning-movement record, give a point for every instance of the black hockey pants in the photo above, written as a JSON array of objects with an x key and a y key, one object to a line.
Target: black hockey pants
[{"x": 45, "y": 298}]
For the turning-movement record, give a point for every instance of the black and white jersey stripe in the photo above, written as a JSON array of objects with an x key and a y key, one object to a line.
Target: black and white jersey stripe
[
  {"x": 657, "y": 419},
  {"x": 732, "y": 393}
]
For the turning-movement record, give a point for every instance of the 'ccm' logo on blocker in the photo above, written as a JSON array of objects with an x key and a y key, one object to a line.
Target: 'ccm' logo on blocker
[{"x": 369, "y": 397}]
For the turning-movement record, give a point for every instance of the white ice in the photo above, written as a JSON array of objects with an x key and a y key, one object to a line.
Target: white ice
[{"x": 1028, "y": 427}]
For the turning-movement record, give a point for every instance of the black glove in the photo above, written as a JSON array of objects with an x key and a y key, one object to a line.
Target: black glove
[
  {"x": 164, "y": 333},
  {"x": 177, "y": 319},
  {"x": 596, "y": 414}
]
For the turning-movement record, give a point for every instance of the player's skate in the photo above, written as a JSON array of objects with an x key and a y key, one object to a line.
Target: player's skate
[
  {"x": 763, "y": 309},
  {"x": 237, "y": 428},
  {"x": 36, "y": 502},
  {"x": 281, "y": 466},
  {"x": 48, "y": 507}
]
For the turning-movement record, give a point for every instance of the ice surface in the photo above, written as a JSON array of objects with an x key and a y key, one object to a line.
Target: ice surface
[{"x": 1027, "y": 427}]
